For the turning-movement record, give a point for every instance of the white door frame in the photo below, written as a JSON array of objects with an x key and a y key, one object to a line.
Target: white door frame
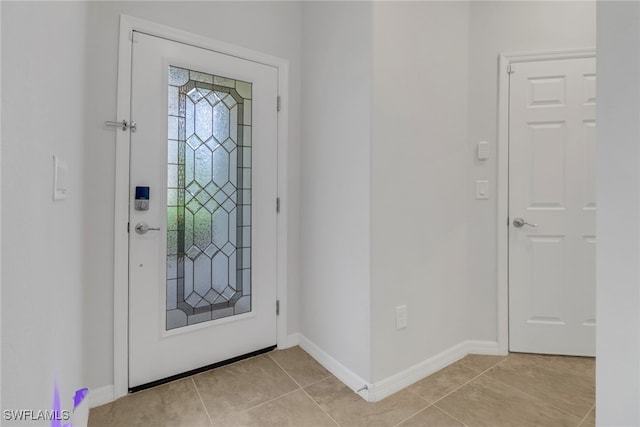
[
  {"x": 121, "y": 244},
  {"x": 506, "y": 59}
]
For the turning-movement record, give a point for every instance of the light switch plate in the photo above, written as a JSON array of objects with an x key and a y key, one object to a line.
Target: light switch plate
[
  {"x": 482, "y": 190},
  {"x": 60, "y": 172}
]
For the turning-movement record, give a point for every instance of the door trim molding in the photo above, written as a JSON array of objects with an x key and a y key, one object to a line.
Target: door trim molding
[
  {"x": 505, "y": 60},
  {"x": 121, "y": 206}
]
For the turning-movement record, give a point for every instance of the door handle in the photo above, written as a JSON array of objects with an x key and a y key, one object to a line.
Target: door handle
[
  {"x": 142, "y": 228},
  {"x": 519, "y": 222}
]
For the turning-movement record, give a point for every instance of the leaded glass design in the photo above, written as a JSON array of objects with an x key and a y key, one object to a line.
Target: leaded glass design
[{"x": 208, "y": 198}]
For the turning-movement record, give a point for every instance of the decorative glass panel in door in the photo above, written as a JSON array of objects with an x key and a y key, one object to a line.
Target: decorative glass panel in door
[{"x": 208, "y": 198}]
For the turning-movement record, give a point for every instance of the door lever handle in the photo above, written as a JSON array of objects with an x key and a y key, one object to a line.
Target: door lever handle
[
  {"x": 519, "y": 222},
  {"x": 142, "y": 228}
]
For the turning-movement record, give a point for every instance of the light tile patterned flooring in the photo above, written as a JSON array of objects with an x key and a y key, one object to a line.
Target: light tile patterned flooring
[{"x": 289, "y": 388}]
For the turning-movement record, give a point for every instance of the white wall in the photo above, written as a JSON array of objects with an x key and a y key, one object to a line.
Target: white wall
[
  {"x": 335, "y": 227},
  {"x": 43, "y": 85},
  {"x": 618, "y": 192},
  {"x": 268, "y": 27},
  {"x": 500, "y": 27},
  {"x": 419, "y": 181}
]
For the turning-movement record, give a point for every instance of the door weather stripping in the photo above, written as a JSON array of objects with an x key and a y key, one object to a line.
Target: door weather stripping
[{"x": 123, "y": 124}]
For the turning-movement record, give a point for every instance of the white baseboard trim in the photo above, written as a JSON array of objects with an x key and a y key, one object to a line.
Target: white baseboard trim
[
  {"x": 373, "y": 392},
  {"x": 291, "y": 341},
  {"x": 100, "y": 396},
  {"x": 489, "y": 348},
  {"x": 344, "y": 374},
  {"x": 390, "y": 385}
]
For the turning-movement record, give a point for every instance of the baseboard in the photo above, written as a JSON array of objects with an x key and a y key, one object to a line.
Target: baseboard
[
  {"x": 489, "y": 348},
  {"x": 100, "y": 396},
  {"x": 291, "y": 341},
  {"x": 370, "y": 392},
  {"x": 344, "y": 374},
  {"x": 390, "y": 385}
]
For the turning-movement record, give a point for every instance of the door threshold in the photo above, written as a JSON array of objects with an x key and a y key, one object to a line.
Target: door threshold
[{"x": 200, "y": 370}]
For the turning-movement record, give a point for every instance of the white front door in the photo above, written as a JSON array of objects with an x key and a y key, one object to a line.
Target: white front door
[
  {"x": 202, "y": 277},
  {"x": 552, "y": 207}
]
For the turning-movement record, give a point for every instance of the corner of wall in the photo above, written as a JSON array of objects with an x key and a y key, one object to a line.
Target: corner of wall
[{"x": 335, "y": 209}]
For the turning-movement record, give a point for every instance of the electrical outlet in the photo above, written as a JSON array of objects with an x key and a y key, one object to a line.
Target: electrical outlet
[{"x": 401, "y": 317}]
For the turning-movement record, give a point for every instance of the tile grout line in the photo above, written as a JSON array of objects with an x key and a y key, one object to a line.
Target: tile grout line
[
  {"x": 277, "y": 397},
  {"x": 268, "y": 401},
  {"x": 206, "y": 411},
  {"x": 452, "y": 416},
  {"x": 472, "y": 379},
  {"x": 417, "y": 412},
  {"x": 252, "y": 407},
  {"x": 285, "y": 371},
  {"x": 553, "y": 405},
  {"x": 452, "y": 391},
  {"x": 315, "y": 382},
  {"x": 293, "y": 379},
  {"x": 463, "y": 385},
  {"x": 305, "y": 392},
  {"x": 318, "y": 405},
  {"x": 231, "y": 364},
  {"x": 530, "y": 396},
  {"x": 414, "y": 415},
  {"x": 585, "y": 417}
]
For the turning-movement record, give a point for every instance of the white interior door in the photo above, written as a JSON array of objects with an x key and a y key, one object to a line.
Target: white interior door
[
  {"x": 552, "y": 207},
  {"x": 202, "y": 287}
]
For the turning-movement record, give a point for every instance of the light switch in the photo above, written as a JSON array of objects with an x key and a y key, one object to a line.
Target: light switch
[
  {"x": 60, "y": 172},
  {"x": 482, "y": 190}
]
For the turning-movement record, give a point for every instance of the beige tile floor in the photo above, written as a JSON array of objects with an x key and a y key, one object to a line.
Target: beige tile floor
[{"x": 288, "y": 388}]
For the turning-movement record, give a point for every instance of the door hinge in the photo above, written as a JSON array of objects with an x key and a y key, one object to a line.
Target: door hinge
[
  {"x": 278, "y": 103},
  {"x": 277, "y": 307},
  {"x": 127, "y": 227},
  {"x": 510, "y": 69},
  {"x": 277, "y": 204}
]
